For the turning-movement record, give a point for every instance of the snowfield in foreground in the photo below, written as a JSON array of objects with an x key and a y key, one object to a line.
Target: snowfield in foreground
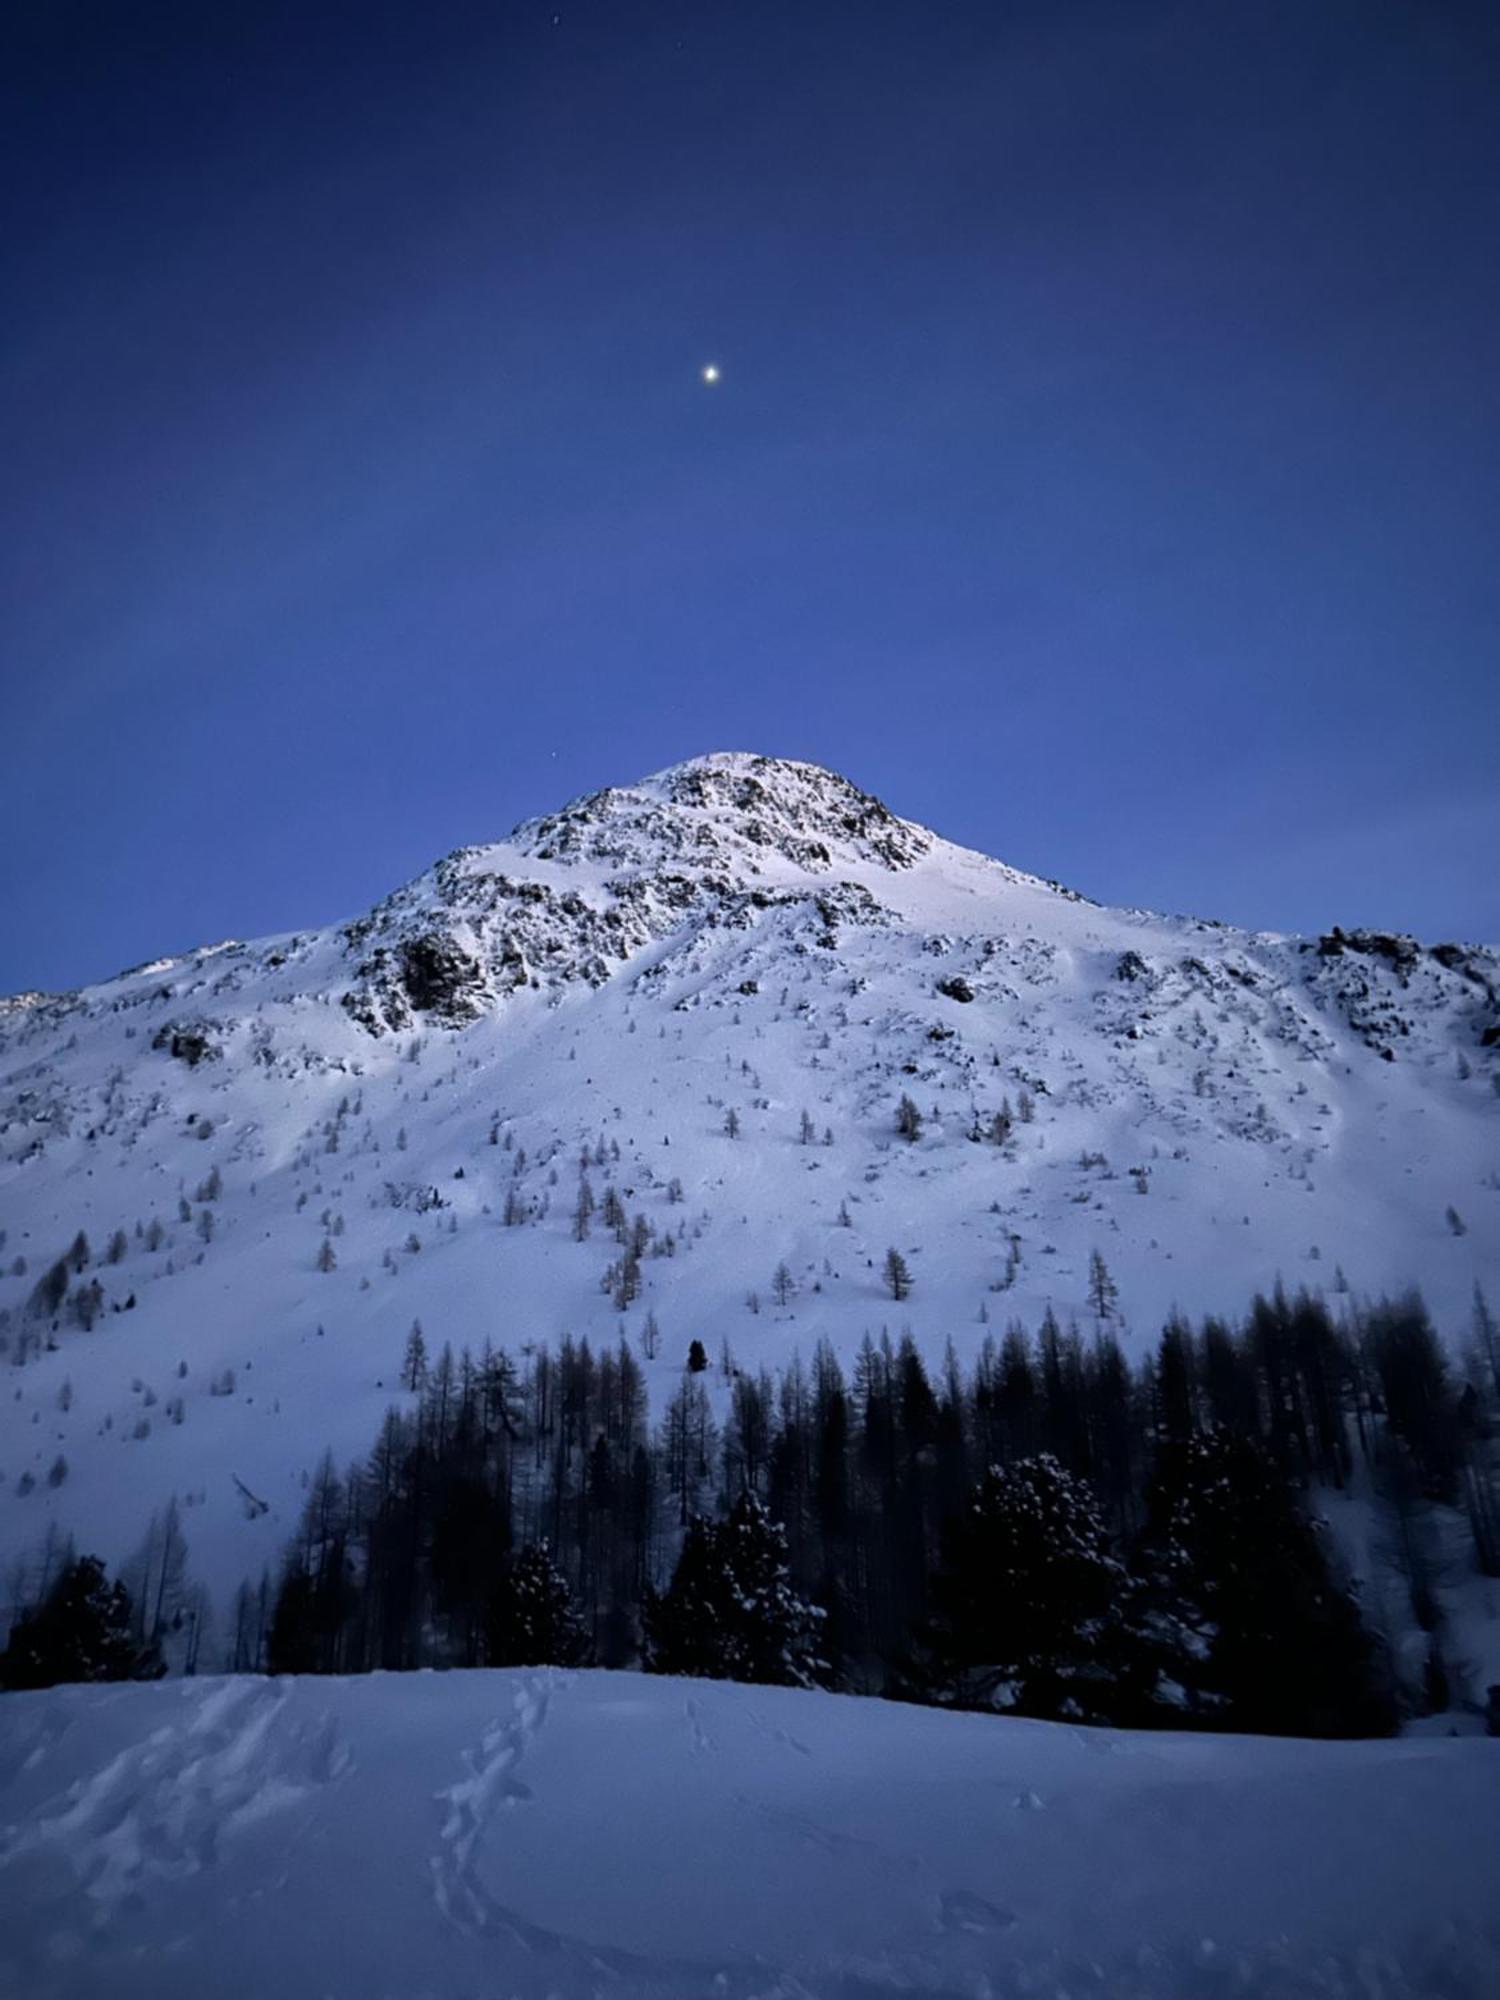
[{"x": 549, "y": 1834}]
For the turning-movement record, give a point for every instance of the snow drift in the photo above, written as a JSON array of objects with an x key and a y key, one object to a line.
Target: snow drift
[{"x": 544, "y": 1834}]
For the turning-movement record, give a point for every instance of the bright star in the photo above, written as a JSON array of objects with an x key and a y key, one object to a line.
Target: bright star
[{"x": 710, "y": 374}]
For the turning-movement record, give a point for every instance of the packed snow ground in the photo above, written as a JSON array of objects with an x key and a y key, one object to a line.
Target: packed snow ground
[
  {"x": 545, "y": 1836},
  {"x": 1212, "y": 1111}
]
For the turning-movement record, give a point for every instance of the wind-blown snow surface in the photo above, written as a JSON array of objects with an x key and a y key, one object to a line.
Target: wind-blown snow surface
[
  {"x": 545, "y": 1834},
  {"x": 1212, "y": 1110}
]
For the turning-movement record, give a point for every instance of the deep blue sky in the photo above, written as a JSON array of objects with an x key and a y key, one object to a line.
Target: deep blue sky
[{"x": 1105, "y": 469}]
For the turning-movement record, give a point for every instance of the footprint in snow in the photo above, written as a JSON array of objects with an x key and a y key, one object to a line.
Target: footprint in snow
[
  {"x": 962, "y": 1910},
  {"x": 490, "y": 1787},
  {"x": 159, "y": 1810},
  {"x": 701, "y": 1740}
]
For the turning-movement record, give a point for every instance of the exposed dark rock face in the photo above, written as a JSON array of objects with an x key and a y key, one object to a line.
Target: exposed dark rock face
[
  {"x": 690, "y": 843},
  {"x": 189, "y": 1043},
  {"x": 1401, "y": 952},
  {"x": 440, "y": 978},
  {"x": 1383, "y": 982}
]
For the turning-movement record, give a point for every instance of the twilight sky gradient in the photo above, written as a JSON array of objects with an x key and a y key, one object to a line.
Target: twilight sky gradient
[{"x": 1105, "y": 469}]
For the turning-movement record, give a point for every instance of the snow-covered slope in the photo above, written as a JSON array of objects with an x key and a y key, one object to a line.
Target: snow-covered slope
[
  {"x": 299, "y": 1146},
  {"x": 536, "y": 1835}
]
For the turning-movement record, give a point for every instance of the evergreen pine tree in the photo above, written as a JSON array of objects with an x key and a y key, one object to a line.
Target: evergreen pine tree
[
  {"x": 731, "y": 1612},
  {"x": 583, "y": 1210},
  {"x": 1416, "y": 1389},
  {"x": 414, "y": 1362},
  {"x": 532, "y": 1622},
  {"x": 1028, "y": 1601},
  {"x": 50, "y": 1290},
  {"x": 1104, "y": 1293},
  {"x": 897, "y": 1275},
  {"x": 1252, "y": 1630},
  {"x": 80, "y": 1632}
]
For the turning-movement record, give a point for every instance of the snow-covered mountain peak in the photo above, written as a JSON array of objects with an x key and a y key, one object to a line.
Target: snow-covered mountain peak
[
  {"x": 573, "y": 895},
  {"x": 737, "y": 811},
  {"x": 256, "y": 1164}
]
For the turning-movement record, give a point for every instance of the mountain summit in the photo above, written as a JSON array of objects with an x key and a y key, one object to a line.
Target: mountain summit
[
  {"x": 575, "y": 894},
  {"x": 744, "y": 808},
  {"x": 774, "y": 1031}
]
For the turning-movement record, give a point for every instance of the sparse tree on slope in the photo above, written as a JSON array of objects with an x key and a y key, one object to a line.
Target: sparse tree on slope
[
  {"x": 583, "y": 1210},
  {"x": 897, "y": 1275},
  {"x": 414, "y": 1364},
  {"x": 50, "y": 1290},
  {"x": 1104, "y": 1293}
]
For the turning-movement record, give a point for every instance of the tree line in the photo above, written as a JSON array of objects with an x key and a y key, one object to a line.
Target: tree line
[{"x": 1050, "y": 1531}]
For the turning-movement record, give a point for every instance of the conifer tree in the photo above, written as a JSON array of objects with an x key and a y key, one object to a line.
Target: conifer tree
[
  {"x": 532, "y": 1622},
  {"x": 315, "y": 1603},
  {"x": 50, "y": 1290},
  {"x": 1415, "y": 1387},
  {"x": 414, "y": 1363},
  {"x": 470, "y": 1544},
  {"x": 80, "y": 1632},
  {"x": 1104, "y": 1293},
  {"x": 627, "y": 1285},
  {"x": 897, "y": 1275},
  {"x": 583, "y": 1210},
  {"x": 1028, "y": 1601},
  {"x": 731, "y": 1612},
  {"x": 1176, "y": 1416},
  {"x": 1257, "y": 1633},
  {"x": 688, "y": 1440}
]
